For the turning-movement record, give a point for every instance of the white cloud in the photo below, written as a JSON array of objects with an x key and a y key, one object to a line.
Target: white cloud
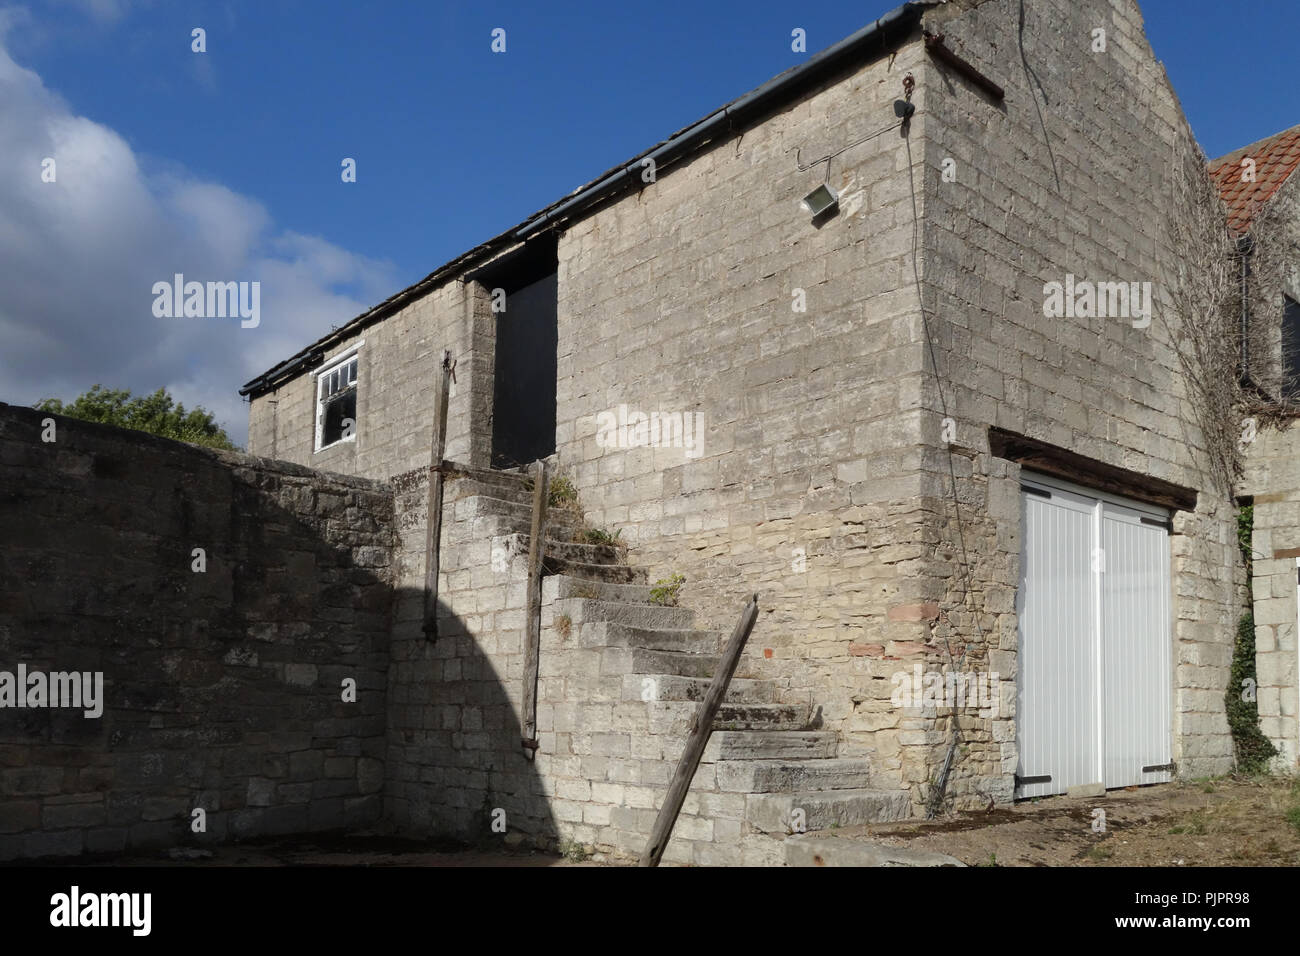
[
  {"x": 79, "y": 257},
  {"x": 105, "y": 11}
]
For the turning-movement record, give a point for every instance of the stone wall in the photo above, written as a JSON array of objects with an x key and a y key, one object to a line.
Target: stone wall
[
  {"x": 222, "y": 689},
  {"x": 1068, "y": 175},
  {"x": 820, "y": 477},
  {"x": 711, "y": 293},
  {"x": 454, "y": 752},
  {"x": 606, "y": 746},
  {"x": 798, "y": 345},
  {"x": 397, "y": 379},
  {"x": 1273, "y": 478}
]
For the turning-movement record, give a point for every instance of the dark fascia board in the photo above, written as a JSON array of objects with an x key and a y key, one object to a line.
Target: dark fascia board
[
  {"x": 873, "y": 40},
  {"x": 1062, "y": 463}
]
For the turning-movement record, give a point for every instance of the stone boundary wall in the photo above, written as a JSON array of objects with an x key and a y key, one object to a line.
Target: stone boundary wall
[
  {"x": 454, "y": 753},
  {"x": 222, "y": 690}
]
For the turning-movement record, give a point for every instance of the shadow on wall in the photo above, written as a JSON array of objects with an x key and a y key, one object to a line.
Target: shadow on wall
[
  {"x": 456, "y": 766},
  {"x": 230, "y": 618}
]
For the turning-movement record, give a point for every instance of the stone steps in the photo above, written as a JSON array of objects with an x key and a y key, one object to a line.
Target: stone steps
[
  {"x": 764, "y": 760},
  {"x": 486, "y": 511},
  {"x": 772, "y": 812},
  {"x": 675, "y": 718},
  {"x": 568, "y": 585},
  {"x": 642, "y": 660},
  {"x": 489, "y": 485},
  {"x": 770, "y": 745},
  {"x": 515, "y": 519},
  {"x": 591, "y": 573},
  {"x": 746, "y": 716},
  {"x": 774, "y": 776},
  {"x": 691, "y": 689},
  {"x": 654, "y": 616},
  {"x": 573, "y": 551},
  {"x": 521, "y": 512},
  {"x": 613, "y": 634}
]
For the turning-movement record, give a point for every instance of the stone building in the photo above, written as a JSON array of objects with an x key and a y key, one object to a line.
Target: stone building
[
  {"x": 1258, "y": 182},
  {"x": 940, "y": 427}
]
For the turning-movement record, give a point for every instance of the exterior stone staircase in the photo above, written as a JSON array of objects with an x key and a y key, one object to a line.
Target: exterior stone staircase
[{"x": 630, "y": 674}]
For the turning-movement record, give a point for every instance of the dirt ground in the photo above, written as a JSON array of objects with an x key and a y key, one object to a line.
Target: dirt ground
[
  {"x": 336, "y": 850},
  {"x": 1220, "y": 822}
]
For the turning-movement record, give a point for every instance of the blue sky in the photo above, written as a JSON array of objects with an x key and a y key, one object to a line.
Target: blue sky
[{"x": 232, "y": 157}]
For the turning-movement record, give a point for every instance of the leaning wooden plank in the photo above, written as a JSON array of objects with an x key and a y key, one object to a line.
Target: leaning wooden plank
[
  {"x": 701, "y": 729},
  {"x": 433, "y": 527},
  {"x": 533, "y": 618}
]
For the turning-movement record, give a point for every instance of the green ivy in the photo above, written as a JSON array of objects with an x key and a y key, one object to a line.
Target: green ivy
[
  {"x": 1245, "y": 528},
  {"x": 1254, "y": 750}
]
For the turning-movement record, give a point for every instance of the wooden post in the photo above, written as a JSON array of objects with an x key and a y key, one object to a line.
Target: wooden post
[
  {"x": 433, "y": 527},
  {"x": 533, "y": 618},
  {"x": 701, "y": 729}
]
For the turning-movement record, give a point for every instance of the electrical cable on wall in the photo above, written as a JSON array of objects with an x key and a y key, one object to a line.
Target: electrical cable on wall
[
  {"x": 905, "y": 110},
  {"x": 936, "y": 797},
  {"x": 1029, "y": 73},
  {"x": 829, "y": 156}
]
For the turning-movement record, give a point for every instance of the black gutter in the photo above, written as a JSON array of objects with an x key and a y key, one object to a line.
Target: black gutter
[
  {"x": 876, "y": 37},
  {"x": 286, "y": 369},
  {"x": 775, "y": 92}
]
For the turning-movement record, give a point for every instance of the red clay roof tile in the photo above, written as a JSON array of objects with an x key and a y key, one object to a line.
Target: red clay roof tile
[{"x": 1276, "y": 158}]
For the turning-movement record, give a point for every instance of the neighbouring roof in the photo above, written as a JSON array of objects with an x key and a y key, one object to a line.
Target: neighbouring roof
[
  {"x": 1276, "y": 158},
  {"x": 864, "y": 45}
]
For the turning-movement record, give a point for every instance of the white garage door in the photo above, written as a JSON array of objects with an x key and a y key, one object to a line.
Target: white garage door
[{"x": 1094, "y": 702}]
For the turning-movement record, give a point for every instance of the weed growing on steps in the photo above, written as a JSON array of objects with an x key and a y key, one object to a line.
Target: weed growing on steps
[
  {"x": 562, "y": 493},
  {"x": 600, "y": 536},
  {"x": 666, "y": 590}
]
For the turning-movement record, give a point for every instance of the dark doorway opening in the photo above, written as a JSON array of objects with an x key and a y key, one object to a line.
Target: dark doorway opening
[{"x": 527, "y": 335}]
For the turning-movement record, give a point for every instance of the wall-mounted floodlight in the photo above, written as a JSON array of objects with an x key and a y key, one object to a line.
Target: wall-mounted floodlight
[{"x": 820, "y": 200}]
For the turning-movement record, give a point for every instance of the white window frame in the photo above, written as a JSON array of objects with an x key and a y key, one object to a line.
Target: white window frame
[{"x": 321, "y": 375}]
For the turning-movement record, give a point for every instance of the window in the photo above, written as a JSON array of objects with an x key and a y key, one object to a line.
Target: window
[
  {"x": 1290, "y": 349},
  {"x": 336, "y": 401}
]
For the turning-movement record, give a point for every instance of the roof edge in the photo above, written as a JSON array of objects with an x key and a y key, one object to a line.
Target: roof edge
[
  {"x": 1244, "y": 150},
  {"x": 759, "y": 102}
]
